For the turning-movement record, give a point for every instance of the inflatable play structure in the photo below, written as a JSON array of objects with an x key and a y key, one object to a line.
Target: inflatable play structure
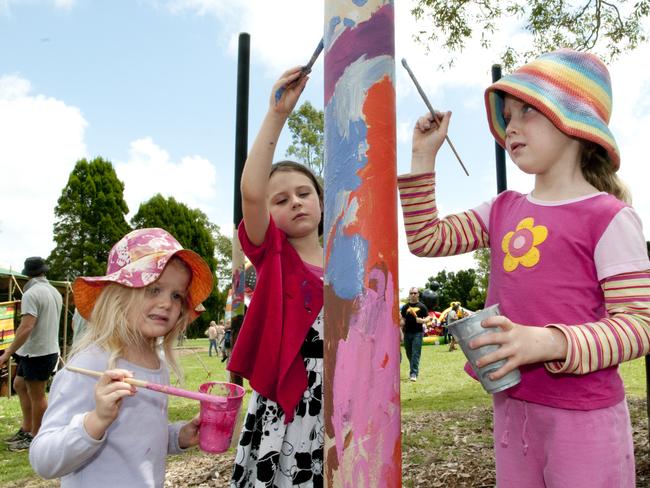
[{"x": 435, "y": 332}]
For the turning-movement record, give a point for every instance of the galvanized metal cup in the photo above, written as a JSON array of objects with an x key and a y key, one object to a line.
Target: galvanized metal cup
[{"x": 464, "y": 330}]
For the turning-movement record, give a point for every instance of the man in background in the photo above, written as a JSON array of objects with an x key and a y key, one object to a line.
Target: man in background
[
  {"x": 36, "y": 345},
  {"x": 211, "y": 332},
  {"x": 415, "y": 316}
]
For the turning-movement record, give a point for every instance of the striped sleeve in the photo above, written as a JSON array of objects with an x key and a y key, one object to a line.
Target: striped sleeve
[
  {"x": 622, "y": 336},
  {"x": 426, "y": 234}
]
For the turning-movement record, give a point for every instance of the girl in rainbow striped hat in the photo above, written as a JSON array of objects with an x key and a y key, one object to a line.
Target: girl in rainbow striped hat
[{"x": 569, "y": 269}]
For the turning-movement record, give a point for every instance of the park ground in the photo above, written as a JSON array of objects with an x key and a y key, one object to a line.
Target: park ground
[{"x": 446, "y": 427}]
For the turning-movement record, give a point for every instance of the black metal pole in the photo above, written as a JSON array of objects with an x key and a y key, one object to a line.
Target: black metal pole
[
  {"x": 241, "y": 151},
  {"x": 241, "y": 124},
  {"x": 499, "y": 152}
]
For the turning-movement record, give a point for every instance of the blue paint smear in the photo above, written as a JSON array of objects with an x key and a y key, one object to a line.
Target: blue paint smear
[
  {"x": 348, "y": 255},
  {"x": 349, "y": 22},
  {"x": 334, "y": 21},
  {"x": 346, "y": 266},
  {"x": 360, "y": 3},
  {"x": 343, "y": 157}
]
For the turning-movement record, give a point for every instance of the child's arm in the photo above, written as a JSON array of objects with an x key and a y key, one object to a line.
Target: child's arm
[
  {"x": 426, "y": 234},
  {"x": 582, "y": 348},
  {"x": 623, "y": 336},
  {"x": 255, "y": 176},
  {"x": 109, "y": 391},
  {"x": 63, "y": 445},
  {"x": 188, "y": 435}
]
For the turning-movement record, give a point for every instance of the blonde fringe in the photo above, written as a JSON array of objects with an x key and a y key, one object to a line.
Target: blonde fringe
[
  {"x": 109, "y": 328},
  {"x": 598, "y": 171}
]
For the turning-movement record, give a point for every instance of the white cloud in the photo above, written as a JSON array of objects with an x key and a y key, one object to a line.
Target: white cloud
[
  {"x": 13, "y": 87},
  {"x": 41, "y": 139},
  {"x": 630, "y": 123},
  {"x": 282, "y": 31},
  {"x": 150, "y": 170}
]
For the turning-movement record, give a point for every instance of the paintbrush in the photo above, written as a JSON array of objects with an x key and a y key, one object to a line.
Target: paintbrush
[
  {"x": 305, "y": 70},
  {"x": 433, "y": 113},
  {"x": 169, "y": 390}
]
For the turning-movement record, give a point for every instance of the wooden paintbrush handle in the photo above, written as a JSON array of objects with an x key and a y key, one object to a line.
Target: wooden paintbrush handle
[{"x": 97, "y": 374}]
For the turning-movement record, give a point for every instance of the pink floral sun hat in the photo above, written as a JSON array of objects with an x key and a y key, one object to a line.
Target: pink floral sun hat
[{"x": 136, "y": 261}]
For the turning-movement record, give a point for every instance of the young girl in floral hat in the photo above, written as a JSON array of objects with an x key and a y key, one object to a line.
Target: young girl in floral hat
[
  {"x": 569, "y": 270},
  {"x": 104, "y": 432}
]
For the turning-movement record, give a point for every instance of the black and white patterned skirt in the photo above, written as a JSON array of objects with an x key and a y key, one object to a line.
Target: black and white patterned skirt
[{"x": 273, "y": 454}]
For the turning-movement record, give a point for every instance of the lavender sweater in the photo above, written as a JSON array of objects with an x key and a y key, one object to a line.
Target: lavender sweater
[{"x": 133, "y": 450}]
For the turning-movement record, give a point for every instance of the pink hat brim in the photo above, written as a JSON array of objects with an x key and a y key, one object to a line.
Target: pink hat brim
[{"x": 87, "y": 289}]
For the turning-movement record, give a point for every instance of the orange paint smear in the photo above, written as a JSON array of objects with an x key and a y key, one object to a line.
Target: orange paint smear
[{"x": 378, "y": 208}]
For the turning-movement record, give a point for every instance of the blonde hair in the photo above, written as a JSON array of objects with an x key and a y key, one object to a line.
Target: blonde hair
[
  {"x": 110, "y": 330},
  {"x": 599, "y": 172}
]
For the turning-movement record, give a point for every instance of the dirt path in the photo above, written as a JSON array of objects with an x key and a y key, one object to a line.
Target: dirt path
[{"x": 439, "y": 449}]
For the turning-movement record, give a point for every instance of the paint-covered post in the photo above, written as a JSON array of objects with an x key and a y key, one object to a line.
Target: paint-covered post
[{"x": 362, "y": 399}]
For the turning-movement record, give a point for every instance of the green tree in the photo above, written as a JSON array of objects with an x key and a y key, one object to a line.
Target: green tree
[
  {"x": 193, "y": 229},
  {"x": 89, "y": 219},
  {"x": 223, "y": 249},
  {"x": 458, "y": 286},
  {"x": 607, "y": 28},
  {"x": 306, "y": 125},
  {"x": 482, "y": 258}
]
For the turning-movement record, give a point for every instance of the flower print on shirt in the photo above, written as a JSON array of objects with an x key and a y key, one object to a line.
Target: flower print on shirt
[{"x": 520, "y": 245}]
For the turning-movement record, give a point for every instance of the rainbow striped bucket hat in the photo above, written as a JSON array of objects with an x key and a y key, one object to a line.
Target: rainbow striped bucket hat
[{"x": 571, "y": 88}]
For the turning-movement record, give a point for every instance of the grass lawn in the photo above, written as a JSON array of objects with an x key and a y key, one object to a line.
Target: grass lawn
[{"x": 442, "y": 387}]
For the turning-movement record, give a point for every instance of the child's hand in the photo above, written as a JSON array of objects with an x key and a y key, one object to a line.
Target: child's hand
[
  {"x": 520, "y": 344},
  {"x": 292, "y": 82},
  {"x": 188, "y": 436},
  {"x": 428, "y": 136},
  {"x": 109, "y": 391}
]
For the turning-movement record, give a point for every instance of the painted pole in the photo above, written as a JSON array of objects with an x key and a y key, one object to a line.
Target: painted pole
[
  {"x": 362, "y": 397},
  {"x": 241, "y": 151},
  {"x": 499, "y": 152}
]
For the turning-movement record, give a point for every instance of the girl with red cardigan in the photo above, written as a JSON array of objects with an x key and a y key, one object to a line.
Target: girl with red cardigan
[{"x": 280, "y": 346}]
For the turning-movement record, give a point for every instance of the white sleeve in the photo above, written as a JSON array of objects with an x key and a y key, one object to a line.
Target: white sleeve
[
  {"x": 483, "y": 211},
  {"x": 29, "y": 305},
  {"x": 622, "y": 247},
  {"x": 62, "y": 445}
]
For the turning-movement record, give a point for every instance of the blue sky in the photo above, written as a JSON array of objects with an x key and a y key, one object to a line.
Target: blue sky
[{"x": 151, "y": 85}]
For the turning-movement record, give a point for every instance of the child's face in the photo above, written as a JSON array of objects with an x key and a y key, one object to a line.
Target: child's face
[
  {"x": 533, "y": 142},
  {"x": 163, "y": 301},
  {"x": 294, "y": 203}
]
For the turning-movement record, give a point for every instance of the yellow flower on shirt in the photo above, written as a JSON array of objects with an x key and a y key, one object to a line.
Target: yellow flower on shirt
[{"x": 520, "y": 245}]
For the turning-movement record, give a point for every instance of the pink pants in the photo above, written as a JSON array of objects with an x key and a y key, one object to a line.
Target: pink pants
[{"x": 544, "y": 447}]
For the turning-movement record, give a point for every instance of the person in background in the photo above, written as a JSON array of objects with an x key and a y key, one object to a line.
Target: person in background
[
  {"x": 36, "y": 345},
  {"x": 415, "y": 317},
  {"x": 453, "y": 315},
  {"x": 78, "y": 326},
  {"x": 211, "y": 332},
  {"x": 221, "y": 331}
]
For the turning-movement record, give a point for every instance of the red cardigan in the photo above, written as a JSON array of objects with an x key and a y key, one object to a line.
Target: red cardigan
[{"x": 287, "y": 299}]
